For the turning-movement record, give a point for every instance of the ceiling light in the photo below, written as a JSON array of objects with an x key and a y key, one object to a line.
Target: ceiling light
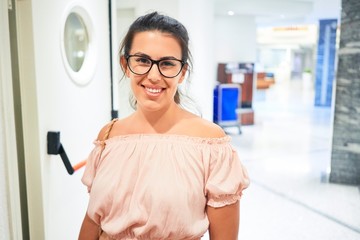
[{"x": 231, "y": 13}]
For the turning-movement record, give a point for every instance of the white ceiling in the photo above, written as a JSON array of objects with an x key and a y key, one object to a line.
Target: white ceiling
[
  {"x": 281, "y": 12},
  {"x": 271, "y": 12}
]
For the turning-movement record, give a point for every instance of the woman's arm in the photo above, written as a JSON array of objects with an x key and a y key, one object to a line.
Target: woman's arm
[
  {"x": 89, "y": 230},
  {"x": 224, "y": 222}
]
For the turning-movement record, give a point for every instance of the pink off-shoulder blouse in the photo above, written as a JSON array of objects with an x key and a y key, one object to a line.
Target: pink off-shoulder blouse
[{"x": 156, "y": 186}]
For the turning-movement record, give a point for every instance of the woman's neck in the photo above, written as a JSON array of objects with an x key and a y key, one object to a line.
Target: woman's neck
[{"x": 161, "y": 121}]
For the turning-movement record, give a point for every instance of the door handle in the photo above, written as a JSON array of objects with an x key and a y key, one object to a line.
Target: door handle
[{"x": 54, "y": 147}]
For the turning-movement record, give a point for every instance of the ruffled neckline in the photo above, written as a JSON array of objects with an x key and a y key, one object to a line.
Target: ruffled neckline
[{"x": 166, "y": 137}]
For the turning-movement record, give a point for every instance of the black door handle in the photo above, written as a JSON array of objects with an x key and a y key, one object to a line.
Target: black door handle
[{"x": 54, "y": 147}]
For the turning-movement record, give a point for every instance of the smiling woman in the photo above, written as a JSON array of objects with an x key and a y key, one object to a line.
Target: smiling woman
[
  {"x": 168, "y": 73},
  {"x": 162, "y": 172}
]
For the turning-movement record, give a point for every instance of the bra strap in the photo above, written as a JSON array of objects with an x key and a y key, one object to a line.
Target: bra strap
[
  {"x": 106, "y": 136},
  {"x": 108, "y": 130}
]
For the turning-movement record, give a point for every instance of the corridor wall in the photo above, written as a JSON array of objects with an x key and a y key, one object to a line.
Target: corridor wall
[{"x": 345, "y": 157}]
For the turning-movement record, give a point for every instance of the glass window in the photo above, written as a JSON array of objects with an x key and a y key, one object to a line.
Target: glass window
[{"x": 76, "y": 41}]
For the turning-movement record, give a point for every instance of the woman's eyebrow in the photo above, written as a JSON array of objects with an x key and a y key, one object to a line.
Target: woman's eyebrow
[
  {"x": 168, "y": 58},
  {"x": 141, "y": 54},
  {"x": 162, "y": 58}
]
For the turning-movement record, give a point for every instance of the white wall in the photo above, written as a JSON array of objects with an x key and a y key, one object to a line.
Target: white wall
[
  {"x": 124, "y": 17},
  {"x": 142, "y": 6},
  {"x": 235, "y": 38},
  {"x": 198, "y": 18},
  {"x": 324, "y": 9},
  {"x": 52, "y": 102},
  {"x": 162, "y": 6}
]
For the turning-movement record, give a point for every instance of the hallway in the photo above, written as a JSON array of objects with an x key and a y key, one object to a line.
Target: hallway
[{"x": 287, "y": 153}]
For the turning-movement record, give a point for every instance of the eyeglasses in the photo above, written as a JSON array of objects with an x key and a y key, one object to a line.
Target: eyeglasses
[{"x": 168, "y": 67}]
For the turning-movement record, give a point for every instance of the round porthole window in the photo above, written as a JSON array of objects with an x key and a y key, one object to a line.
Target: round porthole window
[
  {"x": 76, "y": 41},
  {"x": 77, "y": 45}
]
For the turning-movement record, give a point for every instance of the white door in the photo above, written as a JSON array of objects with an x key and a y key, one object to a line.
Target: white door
[{"x": 65, "y": 89}]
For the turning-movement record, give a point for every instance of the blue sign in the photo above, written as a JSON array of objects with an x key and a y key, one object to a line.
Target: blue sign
[{"x": 325, "y": 65}]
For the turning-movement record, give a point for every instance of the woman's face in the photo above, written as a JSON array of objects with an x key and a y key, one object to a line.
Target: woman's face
[{"x": 152, "y": 90}]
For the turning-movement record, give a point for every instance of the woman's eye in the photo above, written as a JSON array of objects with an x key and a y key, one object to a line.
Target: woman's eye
[
  {"x": 167, "y": 63},
  {"x": 143, "y": 61}
]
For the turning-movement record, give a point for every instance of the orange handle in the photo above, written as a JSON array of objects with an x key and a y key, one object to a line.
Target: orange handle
[{"x": 79, "y": 165}]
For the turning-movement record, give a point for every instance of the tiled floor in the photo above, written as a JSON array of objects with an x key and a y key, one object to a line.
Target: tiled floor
[{"x": 287, "y": 153}]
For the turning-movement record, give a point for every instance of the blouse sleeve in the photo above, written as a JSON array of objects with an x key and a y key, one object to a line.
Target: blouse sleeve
[
  {"x": 92, "y": 163},
  {"x": 227, "y": 177}
]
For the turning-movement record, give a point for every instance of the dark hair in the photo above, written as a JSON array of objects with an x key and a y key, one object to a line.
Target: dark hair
[{"x": 158, "y": 22}]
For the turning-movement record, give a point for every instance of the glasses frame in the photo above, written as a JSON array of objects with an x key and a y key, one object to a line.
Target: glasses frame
[{"x": 156, "y": 62}]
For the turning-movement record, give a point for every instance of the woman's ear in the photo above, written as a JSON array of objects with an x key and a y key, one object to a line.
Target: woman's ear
[
  {"x": 183, "y": 73},
  {"x": 123, "y": 64}
]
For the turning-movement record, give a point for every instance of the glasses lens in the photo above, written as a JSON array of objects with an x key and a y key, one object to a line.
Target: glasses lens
[
  {"x": 139, "y": 65},
  {"x": 168, "y": 67}
]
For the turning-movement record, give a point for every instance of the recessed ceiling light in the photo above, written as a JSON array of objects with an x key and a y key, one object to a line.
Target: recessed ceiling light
[{"x": 231, "y": 13}]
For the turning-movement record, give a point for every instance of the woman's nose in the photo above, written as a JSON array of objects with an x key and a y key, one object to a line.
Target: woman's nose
[{"x": 154, "y": 73}]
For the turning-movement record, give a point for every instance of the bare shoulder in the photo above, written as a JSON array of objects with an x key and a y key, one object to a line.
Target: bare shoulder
[
  {"x": 114, "y": 128},
  {"x": 106, "y": 130},
  {"x": 205, "y": 128},
  {"x": 199, "y": 127}
]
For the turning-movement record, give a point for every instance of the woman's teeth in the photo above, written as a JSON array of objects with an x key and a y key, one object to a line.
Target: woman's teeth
[{"x": 153, "y": 90}]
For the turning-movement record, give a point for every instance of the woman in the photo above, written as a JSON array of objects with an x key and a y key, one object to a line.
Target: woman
[{"x": 162, "y": 172}]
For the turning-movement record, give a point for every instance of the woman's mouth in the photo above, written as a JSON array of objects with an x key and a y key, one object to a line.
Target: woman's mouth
[{"x": 153, "y": 91}]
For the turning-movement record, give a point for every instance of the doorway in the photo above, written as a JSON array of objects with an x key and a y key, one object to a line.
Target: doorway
[{"x": 13, "y": 220}]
